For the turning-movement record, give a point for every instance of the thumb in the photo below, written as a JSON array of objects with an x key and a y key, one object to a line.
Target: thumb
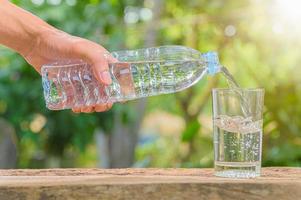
[
  {"x": 100, "y": 65},
  {"x": 101, "y": 68},
  {"x": 99, "y": 59}
]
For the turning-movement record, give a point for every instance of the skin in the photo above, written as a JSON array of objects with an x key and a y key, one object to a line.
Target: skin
[{"x": 39, "y": 44}]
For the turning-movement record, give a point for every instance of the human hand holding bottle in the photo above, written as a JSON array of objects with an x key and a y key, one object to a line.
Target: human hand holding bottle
[{"x": 39, "y": 43}]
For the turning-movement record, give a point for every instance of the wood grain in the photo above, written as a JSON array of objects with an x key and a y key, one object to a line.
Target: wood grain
[{"x": 132, "y": 184}]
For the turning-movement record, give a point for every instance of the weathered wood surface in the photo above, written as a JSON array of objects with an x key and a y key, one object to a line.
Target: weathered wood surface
[{"x": 132, "y": 184}]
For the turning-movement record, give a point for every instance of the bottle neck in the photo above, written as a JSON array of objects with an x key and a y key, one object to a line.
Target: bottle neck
[{"x": 212, "y": 62}]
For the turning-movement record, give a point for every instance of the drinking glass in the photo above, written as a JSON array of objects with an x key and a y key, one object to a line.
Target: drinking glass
[{"x": 237, "y": 125}]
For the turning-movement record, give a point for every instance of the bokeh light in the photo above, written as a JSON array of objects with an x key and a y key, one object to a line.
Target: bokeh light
[
  {"x": 54, "y": 2},
  {"x": 37, "y": 2}
]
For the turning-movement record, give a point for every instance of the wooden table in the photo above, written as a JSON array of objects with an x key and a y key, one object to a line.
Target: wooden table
[{"x": 132, "y": 184}]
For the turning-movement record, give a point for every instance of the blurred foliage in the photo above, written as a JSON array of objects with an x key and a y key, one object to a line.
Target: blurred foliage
[{"x": 258, "y": 49}]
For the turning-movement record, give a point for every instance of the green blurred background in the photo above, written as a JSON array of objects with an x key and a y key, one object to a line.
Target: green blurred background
[{"x": 258, "y": 41}]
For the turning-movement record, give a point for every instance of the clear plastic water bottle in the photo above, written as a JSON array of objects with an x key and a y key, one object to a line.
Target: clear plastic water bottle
[{"x": 137, "y": 74}]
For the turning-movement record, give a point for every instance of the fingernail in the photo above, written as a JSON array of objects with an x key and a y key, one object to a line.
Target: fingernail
[{"x": 106, "y": 77}]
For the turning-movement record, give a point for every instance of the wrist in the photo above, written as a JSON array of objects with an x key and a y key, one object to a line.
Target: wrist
[
  {"x": 35, "y": 36},
  {"x": 20, "y": 30}
]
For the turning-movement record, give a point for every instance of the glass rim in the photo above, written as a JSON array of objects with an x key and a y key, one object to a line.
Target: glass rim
[{"x": 259, "y": 89}]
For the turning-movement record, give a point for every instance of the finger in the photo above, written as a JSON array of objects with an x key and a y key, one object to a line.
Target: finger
[
  {"x": 109, "y": 106},
  {"x": 101, "y": 69},
  {"x": 110, "y": 58},
  {"x": 100, "y": 108},
  {"x": 76, "y": 110},
  {"x": 98, "y": 57},
  {"x": 103, "y": 107},
  {"x": 87, "y": 109}
]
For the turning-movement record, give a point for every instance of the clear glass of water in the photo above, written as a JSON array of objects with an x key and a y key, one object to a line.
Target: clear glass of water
[{"x": 237, "y": 124}]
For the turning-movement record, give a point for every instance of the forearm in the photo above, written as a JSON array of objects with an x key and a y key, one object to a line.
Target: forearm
[{"x": 19, "y": 29}]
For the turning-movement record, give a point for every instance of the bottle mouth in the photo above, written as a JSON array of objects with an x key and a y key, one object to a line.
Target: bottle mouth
[{"x": 212, "y": 60}]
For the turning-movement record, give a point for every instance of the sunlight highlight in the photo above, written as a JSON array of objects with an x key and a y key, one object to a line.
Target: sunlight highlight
[{"x": 289, "y": 10}]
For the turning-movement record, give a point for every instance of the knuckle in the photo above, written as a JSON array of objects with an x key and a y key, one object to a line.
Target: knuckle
[
  {"x": 75, "y": 111},
  {"x": 77, "y": 46},
  {"x": 87, "y": 109},
  {"x": 100, "y": 108}
]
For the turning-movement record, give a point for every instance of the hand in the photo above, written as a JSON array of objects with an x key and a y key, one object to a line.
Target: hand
[
  {"x": 53, "y": 45},
  {"x": 39, "y": 43}
]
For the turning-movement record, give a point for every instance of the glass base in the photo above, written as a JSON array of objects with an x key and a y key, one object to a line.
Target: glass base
[{"x": 237, "y": 169}]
